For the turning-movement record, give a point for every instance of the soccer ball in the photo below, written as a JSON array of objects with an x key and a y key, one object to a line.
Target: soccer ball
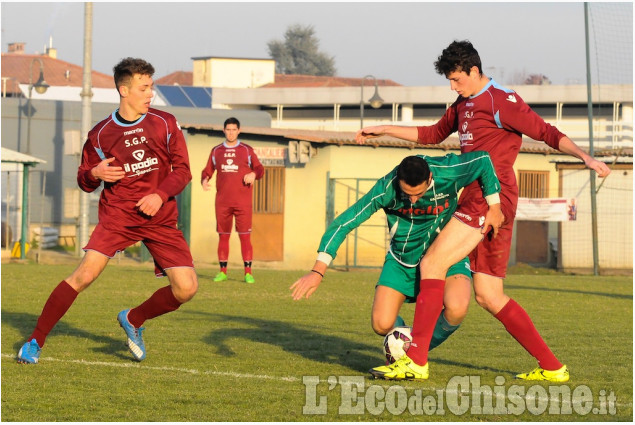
[{"x": 397, "y": 342}]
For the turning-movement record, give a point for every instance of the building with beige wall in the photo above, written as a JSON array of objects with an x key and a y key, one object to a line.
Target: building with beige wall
[
  {"x": 237, "y": 73},
  {"x": 334, "y": 172}
]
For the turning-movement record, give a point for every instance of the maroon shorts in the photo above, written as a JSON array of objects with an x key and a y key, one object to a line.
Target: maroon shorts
[
  {"x": 491, "y": 256},
  {"x": 225, "y": 214},
  {"x": 166, "y": 244}
]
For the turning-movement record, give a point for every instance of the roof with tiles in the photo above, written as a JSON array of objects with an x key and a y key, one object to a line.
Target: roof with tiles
[
  {"x": 178, "y": 78},
  {"x": 341, "y": 138},
  {"x": 292, "y": 80},
  {"x": 56, "y": 72},
  {"x": 184, "y": 78}
]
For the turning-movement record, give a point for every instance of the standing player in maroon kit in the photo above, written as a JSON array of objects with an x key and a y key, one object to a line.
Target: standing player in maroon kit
[
  {"x": 139, "y": 154},
  {"x": 237, "y": 167},
  {"x": 489, "y": 118}
]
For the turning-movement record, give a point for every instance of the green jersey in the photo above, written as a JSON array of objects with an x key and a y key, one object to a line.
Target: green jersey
[{"x": 413, "y": 227}]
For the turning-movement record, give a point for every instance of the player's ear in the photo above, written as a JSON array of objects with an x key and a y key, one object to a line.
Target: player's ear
[{"x": 124, "y": 90}]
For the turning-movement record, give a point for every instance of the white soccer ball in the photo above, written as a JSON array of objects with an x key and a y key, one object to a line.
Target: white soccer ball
[{"x": 397, "y": 342}]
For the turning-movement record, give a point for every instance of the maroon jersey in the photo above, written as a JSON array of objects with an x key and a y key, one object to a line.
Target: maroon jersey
[
  {"x": 494, "y": 121},
  {"x": 231, "y": 164},
  {"x": 152, "y": 153}
]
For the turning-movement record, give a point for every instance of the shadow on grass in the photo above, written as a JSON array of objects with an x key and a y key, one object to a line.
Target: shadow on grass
[
  {"x": 307, "y": 343},
  {"x": 25, "y": 323},
  {"x": 571, "y": 291},
  {"x": 293, "y": 339}
]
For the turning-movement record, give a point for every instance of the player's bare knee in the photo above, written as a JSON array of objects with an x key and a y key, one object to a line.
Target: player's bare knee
[
  {"x": 486, "y": 302},
  {"x": 185, "y": 287},
  {"x": 81, "y": 279},
  {"x": 382, "y": 327},
  {"x": 456, "y": 311}
]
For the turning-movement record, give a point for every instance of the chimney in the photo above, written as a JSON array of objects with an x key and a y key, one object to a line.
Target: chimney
[
  {"x": 50, "y": 50},
  {"x": 16, "y": 48}
]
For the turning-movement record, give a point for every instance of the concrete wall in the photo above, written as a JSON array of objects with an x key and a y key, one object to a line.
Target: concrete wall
[{"x": 51, "y": 124}]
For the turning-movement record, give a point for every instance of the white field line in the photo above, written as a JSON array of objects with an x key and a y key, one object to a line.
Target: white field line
[{"x": 384, "y": 384}]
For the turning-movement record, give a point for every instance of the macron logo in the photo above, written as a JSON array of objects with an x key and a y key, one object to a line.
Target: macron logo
[{"x": 511, "y": 98}]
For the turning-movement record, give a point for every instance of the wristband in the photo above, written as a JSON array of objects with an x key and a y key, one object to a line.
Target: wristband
[{"x": 315, "y": 271}]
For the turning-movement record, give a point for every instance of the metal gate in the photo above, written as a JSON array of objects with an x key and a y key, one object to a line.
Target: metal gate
[{"x": 366, "y": 246}]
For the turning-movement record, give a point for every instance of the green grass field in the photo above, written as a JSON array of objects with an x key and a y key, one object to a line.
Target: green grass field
[{"x": 241, "y": 352}]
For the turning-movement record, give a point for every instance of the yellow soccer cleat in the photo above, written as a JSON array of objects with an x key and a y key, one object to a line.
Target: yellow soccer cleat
[
  {"x": 249, "y": 278},
  {"x": 539, "y": 374},
  {"x": 403, "y": 369}
]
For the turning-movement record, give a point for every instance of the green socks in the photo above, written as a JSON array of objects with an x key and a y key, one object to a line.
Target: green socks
[{"x": 442, "y": 331}]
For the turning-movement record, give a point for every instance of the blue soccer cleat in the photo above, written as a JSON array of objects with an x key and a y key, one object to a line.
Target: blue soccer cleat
[
  {"x": 29, "y": 353},
  {"x": 135, "y": 340}
]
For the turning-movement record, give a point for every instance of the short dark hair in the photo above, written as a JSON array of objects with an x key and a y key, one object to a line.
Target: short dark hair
[
  {"x": 231, "y": 120},
  {"x": 413, "y": 170},
  {"x": 458, "y": 56},
  {"x": 128, "y": 67}
]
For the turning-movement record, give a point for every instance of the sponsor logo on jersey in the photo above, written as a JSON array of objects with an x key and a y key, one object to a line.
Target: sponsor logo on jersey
[
  {"x": 465, "y": 137},
  {"x": 140, "y": 167},
  {"x": 469, "y": 104},
  {"x": 431, "y": 210},
  {"x": 439, "y": 196},
  {"x": 469, "y": 114},
  {"x": 462, "y": 215},
  {"x": 229, "y": 167},
  {"x": 511, "y": 98},
  {"x": 136, "y": 130}
]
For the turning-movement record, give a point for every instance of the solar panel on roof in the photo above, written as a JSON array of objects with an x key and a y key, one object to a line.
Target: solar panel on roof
[
  {"x": 199, "y": 96},
  {"x": 188, "y": 96}
]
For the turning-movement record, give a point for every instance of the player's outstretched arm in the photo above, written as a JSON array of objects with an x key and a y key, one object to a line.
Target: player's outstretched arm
[
  {"x": 567, "y": 145},
  {"x": 401, "y": 132},
  {"x": 308, "y": 284}
]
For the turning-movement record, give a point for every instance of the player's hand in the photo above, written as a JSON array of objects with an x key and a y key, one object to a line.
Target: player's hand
[
  {"x": 493, "y": 218},
  {"x": 249, "y": 178},
  {"x": 103, "y": 171},
  {"x": 205, "y": 184},
  {"x": 368, "y": 133},
  {"x": 306, "y": 285},
  {"x": 150, "y": 204},
  {"x": 601, "y": 168}
]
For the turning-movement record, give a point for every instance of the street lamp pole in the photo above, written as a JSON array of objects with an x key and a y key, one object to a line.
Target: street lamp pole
[
  {"x": 376, "y": 101},
  {"x": 40, "y": 86}
]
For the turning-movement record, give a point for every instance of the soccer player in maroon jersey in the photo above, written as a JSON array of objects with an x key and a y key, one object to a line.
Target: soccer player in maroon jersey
[
  {"x": 140, "y": 156},
  {"x": 491, "y": 118},
  {"x": 237, "y": 167}
]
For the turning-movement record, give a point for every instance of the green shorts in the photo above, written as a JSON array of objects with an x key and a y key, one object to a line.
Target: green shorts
[{"x": 406, "y": 279}]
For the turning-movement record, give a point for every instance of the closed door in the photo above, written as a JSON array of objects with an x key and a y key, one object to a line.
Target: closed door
[{"x": 267, "y": 232}]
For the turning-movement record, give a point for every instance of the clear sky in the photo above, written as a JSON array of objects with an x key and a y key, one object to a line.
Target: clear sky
[{"x": 397, "y": 41}]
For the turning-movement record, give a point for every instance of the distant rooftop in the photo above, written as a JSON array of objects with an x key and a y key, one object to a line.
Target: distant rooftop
[{"x": 184, "y": 78}]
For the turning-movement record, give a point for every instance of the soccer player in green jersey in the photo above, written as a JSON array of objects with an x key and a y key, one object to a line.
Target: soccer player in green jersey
[{"x": 419, "y": 197}]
